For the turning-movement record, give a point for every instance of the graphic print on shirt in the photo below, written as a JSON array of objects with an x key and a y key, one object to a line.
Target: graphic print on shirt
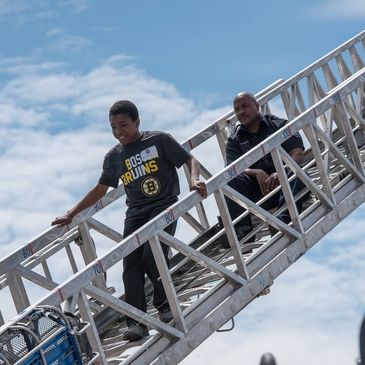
[
  {"x": 142, "y": 164},
  {"x": 151, "y": 186}
]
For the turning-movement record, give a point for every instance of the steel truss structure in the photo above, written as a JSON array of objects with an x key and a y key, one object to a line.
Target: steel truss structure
[{"x": 206, "y": 284}]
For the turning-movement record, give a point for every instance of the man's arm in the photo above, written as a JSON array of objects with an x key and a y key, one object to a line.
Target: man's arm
[
  {"x": 297, "y": 154},
  {"x": 87, "y": 201},
  {"x": 195, "y": 183}
]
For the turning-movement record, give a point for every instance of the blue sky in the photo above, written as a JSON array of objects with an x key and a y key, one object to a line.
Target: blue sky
[
  {"x": 198, "y": 46},
  {"x": 63, "y": 63}
]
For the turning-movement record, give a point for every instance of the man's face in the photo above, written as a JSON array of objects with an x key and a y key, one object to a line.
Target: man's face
[
  {"x": 246, "y": 110},
  {"x": 124, "y": 129}
]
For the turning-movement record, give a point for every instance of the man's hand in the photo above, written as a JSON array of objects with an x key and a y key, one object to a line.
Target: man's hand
[
  {"x": 262, "y": 177},
  {"x": 62, "y": 221},
  {"x": 200, "y": 187},
  {"x": 271, "y": 183}
]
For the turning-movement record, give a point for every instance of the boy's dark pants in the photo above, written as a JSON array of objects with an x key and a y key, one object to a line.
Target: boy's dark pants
[{"x": 141, "y": 262}]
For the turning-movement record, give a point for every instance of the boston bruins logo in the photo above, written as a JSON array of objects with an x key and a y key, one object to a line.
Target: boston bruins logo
[{"x": 151, "y": 186}]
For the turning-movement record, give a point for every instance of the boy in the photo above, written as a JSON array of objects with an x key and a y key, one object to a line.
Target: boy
[{"x": 146, "y": 163}]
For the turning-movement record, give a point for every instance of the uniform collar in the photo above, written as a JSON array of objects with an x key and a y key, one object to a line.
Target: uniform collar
[{"x": 242, "y": 129}]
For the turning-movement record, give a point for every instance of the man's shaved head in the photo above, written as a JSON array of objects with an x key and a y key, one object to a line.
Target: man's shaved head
[{"x": 245, "y": 94}]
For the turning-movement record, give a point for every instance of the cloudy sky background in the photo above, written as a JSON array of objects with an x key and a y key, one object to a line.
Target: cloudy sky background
[{"x": 62, "y": 64}]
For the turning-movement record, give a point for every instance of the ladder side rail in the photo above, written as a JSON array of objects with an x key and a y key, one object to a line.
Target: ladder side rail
[
  {"x": 244, "y": 295},
  {"x": 15, "y": 283},
  {"x": 33, "y": 262},
  {"x": 54, "y": 233},
  {"x": 157, "y": 344},
  {"x": 50, "y": 250},
  {"x": 315, "y": 66}
]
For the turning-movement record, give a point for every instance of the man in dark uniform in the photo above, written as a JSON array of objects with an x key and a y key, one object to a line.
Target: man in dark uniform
[
  {"x": 146, "y": 164},
  {"x": 261, "y": 178}
]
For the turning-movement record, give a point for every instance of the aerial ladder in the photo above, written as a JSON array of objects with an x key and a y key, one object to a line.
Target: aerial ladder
[{"x": 206, "y": 284}]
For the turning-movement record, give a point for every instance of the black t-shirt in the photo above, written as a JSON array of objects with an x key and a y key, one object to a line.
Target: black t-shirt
[
  {"x": 147, "y": 168},
  {"x": 242, "y": 141}
]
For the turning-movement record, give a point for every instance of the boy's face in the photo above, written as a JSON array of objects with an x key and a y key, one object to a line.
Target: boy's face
[{"x": 124, "y": 129}]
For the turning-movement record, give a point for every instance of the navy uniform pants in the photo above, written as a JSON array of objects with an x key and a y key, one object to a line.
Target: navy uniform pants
[{"x": 249, "y": 187}]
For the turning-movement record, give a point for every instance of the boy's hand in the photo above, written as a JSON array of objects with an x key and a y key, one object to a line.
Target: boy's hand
[
  {"x": 62, "y": 221},
  {"x": 200, "y": 187}
]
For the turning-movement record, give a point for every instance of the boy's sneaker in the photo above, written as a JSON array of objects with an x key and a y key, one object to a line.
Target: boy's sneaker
[
  {"x": 165, "y": 315},
  {"x": 135, "y": 332}
]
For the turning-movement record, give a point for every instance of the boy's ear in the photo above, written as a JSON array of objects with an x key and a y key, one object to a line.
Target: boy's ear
[{"x": 138, "y": 122}]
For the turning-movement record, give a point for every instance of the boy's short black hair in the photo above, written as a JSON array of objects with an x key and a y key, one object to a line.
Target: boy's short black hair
[{"x": 124, "y": 107}]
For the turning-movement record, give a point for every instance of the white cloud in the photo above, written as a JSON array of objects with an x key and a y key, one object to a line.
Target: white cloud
[
  {"x": 14, "y": 116},
  {"x": 19, "y": 11},
  {"x": 340, "y": 9},
  {"x": 13, "y": 6},
  {"x": 55, "y": 32},
  {"x": 69, "y": 44},
  {"x": 23, "y": 12},
  {"x": 77, "y": 6}
]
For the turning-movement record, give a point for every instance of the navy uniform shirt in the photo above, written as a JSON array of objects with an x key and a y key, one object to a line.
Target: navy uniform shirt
[
  {"x": 242, "y": 141},
  {"x": 147, "y": 168}
]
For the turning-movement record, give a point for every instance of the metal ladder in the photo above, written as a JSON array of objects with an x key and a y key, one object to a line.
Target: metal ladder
[{"x": 208, "y": 285}]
